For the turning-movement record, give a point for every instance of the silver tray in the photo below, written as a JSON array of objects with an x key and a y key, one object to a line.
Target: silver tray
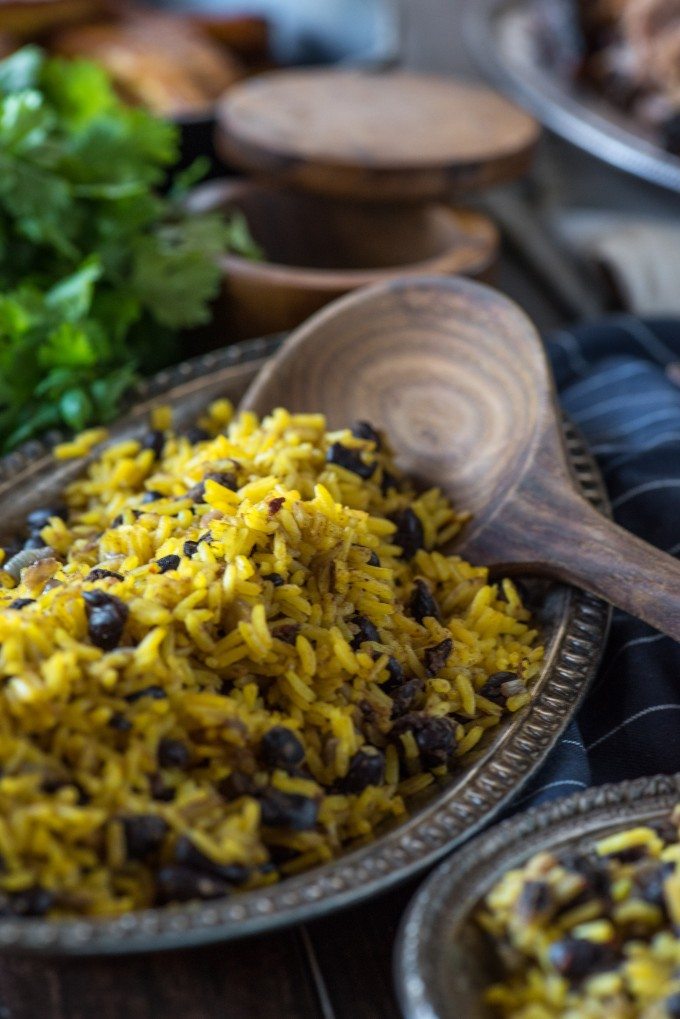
[
  {"x": 443, "y": 962},
  {"x": 529, "y": 56},
  {"x": 573, "y": 626}
]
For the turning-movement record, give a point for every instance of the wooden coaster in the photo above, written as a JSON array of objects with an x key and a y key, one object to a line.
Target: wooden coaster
[{"x": 379, "y": 137}]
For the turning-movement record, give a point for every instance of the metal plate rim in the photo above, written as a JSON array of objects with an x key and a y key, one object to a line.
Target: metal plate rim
[
  {"x": 448, "y": 820},
  {"x": 453, "y": 890},
  {"x": 557, "y": 104}
]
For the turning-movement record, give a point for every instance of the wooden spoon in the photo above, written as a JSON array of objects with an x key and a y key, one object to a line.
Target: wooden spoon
[{"x": 456, "y": 375}]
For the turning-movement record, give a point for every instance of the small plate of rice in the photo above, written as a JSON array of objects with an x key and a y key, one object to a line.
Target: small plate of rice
[
  {"x": 241, "y": 678},
  {"x": 571, "y": 910}
]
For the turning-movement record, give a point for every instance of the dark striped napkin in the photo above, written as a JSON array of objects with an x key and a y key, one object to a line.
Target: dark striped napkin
[{"x": 619, "y": 381}]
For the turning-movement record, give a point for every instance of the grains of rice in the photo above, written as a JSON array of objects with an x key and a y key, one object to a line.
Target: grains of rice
[
  {"x": 216, "y": 677},
  {"x": 591, "y": 933}
]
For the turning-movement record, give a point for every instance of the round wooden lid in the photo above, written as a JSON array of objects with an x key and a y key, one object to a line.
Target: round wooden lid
[{"x": 386, "y": 137}]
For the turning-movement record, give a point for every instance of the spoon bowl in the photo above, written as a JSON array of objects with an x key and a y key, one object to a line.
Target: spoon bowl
[{"x": 456, "y": 375}]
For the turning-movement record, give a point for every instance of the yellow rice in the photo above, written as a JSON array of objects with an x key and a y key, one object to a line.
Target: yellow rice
[
  {"x": 135, "y": 774},
  {"x": 591, "y": 934}
]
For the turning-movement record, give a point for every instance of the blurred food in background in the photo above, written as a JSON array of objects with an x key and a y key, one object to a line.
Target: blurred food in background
[
  {"x": 173, "y": 64},
  {"x": 633, "y": 58},
  {"x": 156, "y": 60}
]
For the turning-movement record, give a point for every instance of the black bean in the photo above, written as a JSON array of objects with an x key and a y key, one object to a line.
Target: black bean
[
  {"x": 422, "y": 602},
  {"x": 288, "y": 810},
  {"x": 153, "y": 440},
  {"x": 274, "y": 578},
  {"x": 534, "y": 900},
  {"x": 367, "y": 767},
  {"x": 275, "y": 505},
  {"x": 350, "y": 459},
  {"x": 35, "y": 541},
  {"x": 156, "y": 693},
  {"x": 236, "y": 785},
  {"x": 152, "y": 496},
  {"x": 196, "y": 434},
  {"x": 436, "y": 657},
  {"x": 373, "y": 559},
  {"x": 363, "y": 430},
  {"x": 181, "y": 884},
  {"x": 366, "y": 631},
  {"x": 20, "y": 603},
  {"x": 280, "y": 748},
  {"x": 205, "y": 537},
  {"x": 144, "y": 834},
  {"x": 38, "y": 518},
  {"x": 575, "y": 958},
  {"x": 172, "y": 753},
  {"x": 434, "y": 737},
  {"x": 106, "y": 618},
  {"x": 119, "y": 722},
  {"x": 190, "y": 548},
  {"x": 492, "y": 688},
  {"x": 288, "y": 632},
  {"x": 117, "y": 521},
  {"x": 34, "y": 901},
  {"x": 396, "y": 675},
  {"x": 168, "y": 562},
  {"x": 591, "y": 868},
  {"x": 188, "y": 855},
  {"x": 409, "y": 534},
  {"x": 404, "y": 698},
  {"x": 672, "y": 1006},
  {"x": 98, "y": 573}
]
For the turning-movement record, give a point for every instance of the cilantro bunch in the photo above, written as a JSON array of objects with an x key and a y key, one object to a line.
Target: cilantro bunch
[{"x": 98, "y": 271}]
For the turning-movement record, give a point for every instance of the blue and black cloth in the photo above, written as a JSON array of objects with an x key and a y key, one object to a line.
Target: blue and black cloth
[{"x": 619, "y": 381}]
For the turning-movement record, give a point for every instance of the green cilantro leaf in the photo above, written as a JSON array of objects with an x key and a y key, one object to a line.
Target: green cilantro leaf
[{"x": 98, "y": 270}]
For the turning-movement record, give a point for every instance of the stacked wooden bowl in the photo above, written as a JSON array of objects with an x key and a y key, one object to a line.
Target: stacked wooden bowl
[{"x": 351, "y": 180}]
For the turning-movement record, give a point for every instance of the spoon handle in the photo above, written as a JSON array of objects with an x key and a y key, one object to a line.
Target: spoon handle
[{"x": 581, "y": 546}]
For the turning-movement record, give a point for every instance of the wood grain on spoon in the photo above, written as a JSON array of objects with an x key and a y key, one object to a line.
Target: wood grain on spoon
[{"x": 456, "y": 375}]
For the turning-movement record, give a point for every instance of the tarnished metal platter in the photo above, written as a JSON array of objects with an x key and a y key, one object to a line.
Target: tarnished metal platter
[{"x": 573, "y": 627}]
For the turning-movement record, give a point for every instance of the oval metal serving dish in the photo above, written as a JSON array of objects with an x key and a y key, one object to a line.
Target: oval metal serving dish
[
  {"x": 443, "y": 961},
  {"x": 526, "y": 47},
  {"x": 573, "y": 628}
]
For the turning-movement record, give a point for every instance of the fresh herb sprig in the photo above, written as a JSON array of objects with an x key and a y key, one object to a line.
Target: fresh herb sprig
[{"x": 98, "y": 270}]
